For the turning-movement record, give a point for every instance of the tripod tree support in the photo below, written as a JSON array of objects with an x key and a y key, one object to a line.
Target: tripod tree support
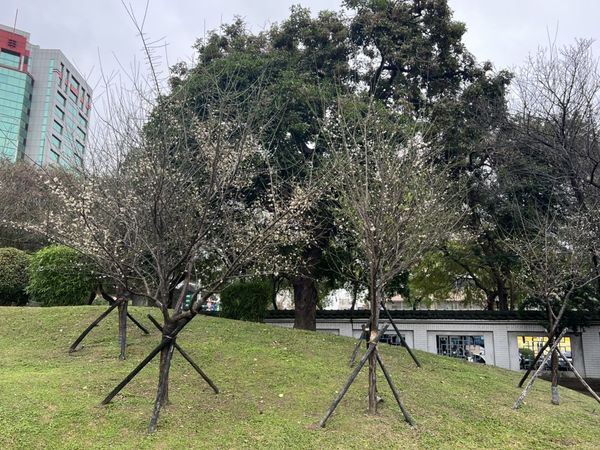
[
  {"x": 578, "y": 375},
  {"x": 406, "y": 414},
  {"x": 357, "y": 347},
  {"x": 402, "y": 340},
  {"x": 122, "y": 333},
  {"x": 91, "y": 327},
  {"x": 552, "y": 332},
  {"x": 111, "y": 300},
  {"x": 155, "y": 351},
  {"x": 521, "y": 398},
  {"x": 188, "y": 358},
  {"x": 353, "y": 375}
]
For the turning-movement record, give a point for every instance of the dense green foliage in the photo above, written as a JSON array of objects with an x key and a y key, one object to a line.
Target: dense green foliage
[
  {"x": 275, "y": 383},
  {"x": 59, "y": 276},
  {"x": 246, "y": 300},
  {"x": 13, "y": 276}
]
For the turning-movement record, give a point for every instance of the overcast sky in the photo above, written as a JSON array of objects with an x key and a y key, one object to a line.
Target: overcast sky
[{"x": 503, "y": 31}]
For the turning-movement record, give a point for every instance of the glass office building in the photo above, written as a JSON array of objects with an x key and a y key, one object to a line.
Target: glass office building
[
  {"x": 16, "y": 89},
  {"x": 44, "y": 103}
]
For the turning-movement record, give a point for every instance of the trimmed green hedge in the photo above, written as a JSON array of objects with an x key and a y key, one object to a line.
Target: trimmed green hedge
[
  {"x": 246, "y": 300},
  {"x": 14, "y": 276},
  {"x": 58, "y": 275}
]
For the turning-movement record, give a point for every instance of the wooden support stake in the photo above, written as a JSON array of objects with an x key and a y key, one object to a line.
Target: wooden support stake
[
  {"x": 577, "y": 374},
  {"x": 353, "y": 375},
  {"x": 521, "y": 398},
  {"x": 188, "y": 358},
  {"x": 356, "y": 348},
  {"x": 137, "y": 370},
  {"x": 91, "y": 327},
  {"x": 406, "y": 414},
  {"x": 111, "y": 300},
  {"x": 402, "y": 341}
]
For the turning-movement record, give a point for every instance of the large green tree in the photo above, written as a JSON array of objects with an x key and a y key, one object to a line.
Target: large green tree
[{"x": 407, "y": 54}]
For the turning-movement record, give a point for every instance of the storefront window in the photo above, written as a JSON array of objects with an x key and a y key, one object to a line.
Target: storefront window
[{"x": 469, "y": 347}]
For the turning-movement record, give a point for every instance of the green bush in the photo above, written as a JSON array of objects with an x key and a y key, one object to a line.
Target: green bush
[
  {"x": 13, "y": 276},
  {"x": 246, "y": 300},
  {"x": 58, "y": 275}
]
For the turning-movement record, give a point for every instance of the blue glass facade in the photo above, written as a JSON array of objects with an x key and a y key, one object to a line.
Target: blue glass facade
[{"x": 15, "y": 102}]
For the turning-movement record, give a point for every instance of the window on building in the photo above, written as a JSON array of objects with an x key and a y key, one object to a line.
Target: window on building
[
  {"x": 61, "y": 99},
  {"x": 82, "y": 121},
  {"x": 57, "y": 127},
  {"x": 80, "y": 147},
  {"x": 10, "y": 59},
  {"x": 59, "y": 113},
  {"x": 73, "y": 96},
  {"x": 392, "y": 339},
  {"x": 56, "y": 143},
  {"x": 80, "y": 134},
  {"x": 469, "y": 347},
  {"x": 529, "y": 347},
  {"x": 54, "y": 157}
]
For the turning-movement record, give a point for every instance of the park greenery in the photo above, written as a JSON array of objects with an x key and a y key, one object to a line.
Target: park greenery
[
  {"x": 275, "y": 385},
  {"x": 364, "y": 149}
]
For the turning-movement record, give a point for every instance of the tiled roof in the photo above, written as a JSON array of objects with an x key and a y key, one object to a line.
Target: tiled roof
[{"x": 418, "y": 315}]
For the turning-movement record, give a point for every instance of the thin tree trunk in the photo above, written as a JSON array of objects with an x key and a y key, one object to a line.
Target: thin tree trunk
[
  {"x": 373, "y": 330},
  {"x": 274, "y": 291},
  {"x": 521, "y": 398},
  {"x": 162, "y": 393},
  {"x": 123, "y": 304},
  {"x": 188, "y": 358},
  {"x": 555, "y": 392},
  {"x": 371, "y": 348}
]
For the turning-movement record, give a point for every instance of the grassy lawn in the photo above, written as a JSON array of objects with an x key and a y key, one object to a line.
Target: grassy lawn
[{"x": 276, "y": 384}]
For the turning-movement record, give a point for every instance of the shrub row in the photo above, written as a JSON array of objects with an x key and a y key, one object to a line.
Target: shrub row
[{"x": 55, "y": 275}]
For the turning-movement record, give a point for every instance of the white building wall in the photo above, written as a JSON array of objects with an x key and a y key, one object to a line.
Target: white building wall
[{"x": 501, "y": 347}]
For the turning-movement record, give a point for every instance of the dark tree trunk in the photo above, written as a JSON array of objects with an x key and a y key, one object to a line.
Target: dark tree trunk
[
  {"x": 490, "y": 301},
  {"x": 305, "y": 303},
  {"x": 305, "y": 292},
  {"x": 91, "y": 298},
  {"x": 274, "y": 291},
  {"x": 373, "y": 329},
  {"x": 555, "y": 393},
  {"x": 502, "y": 295},
  {"x": 123, "y": 304},
  {"x": 162, "y": 393}
]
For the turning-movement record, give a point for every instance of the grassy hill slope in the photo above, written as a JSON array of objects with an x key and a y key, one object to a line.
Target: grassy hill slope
[{"x": 276, "y": 384}]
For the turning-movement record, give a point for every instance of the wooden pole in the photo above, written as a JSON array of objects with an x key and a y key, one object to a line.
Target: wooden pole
[
  {"x": 577, "y": 374},
  {"x": 353, "y": 375},
  {"x": 137, "y": 370},
  {"x": 406, "y": 414},
  {"x": 356, "y": 348},
  {"x": 402, "y": 341},
  {"x": 111, "y": 300},
  {"x": 188, "y": 358},
  {"x": 521, "y": 398},
  {"x": 123, "y": 303},
  {"x": 91, "y": 327}
]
